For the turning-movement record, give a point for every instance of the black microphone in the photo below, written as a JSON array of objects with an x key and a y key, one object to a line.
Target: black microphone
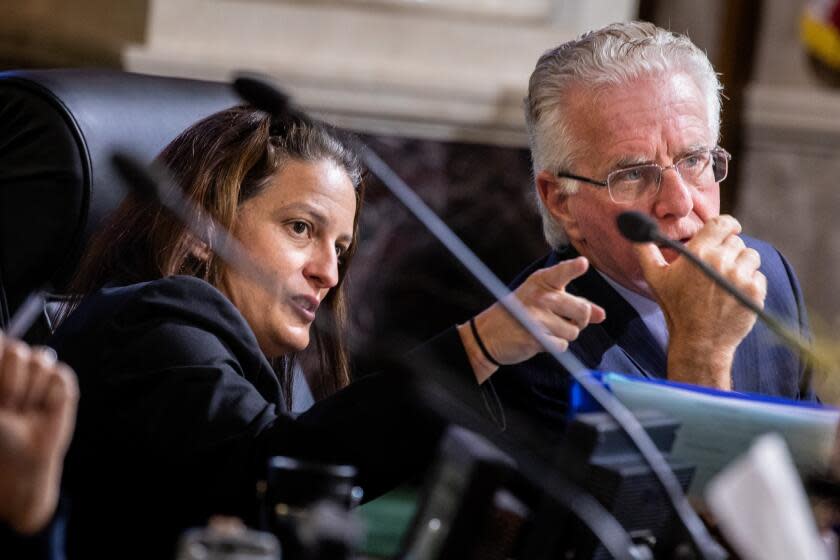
[
  {"x": 267, "y": 97},
  {"x": 641, "y": 228},
  {"x": 638, "y": 227},
  {"x": 26, "y": 314},
  {"x": 257, "y": 91}
]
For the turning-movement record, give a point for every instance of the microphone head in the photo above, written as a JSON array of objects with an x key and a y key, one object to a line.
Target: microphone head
[
  {"x": 262, "y": 94},
  {"x": 638, "y": 227},
  {"x": 136, "y": 175}
]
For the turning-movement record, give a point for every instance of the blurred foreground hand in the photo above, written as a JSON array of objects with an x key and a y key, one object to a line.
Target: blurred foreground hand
[{"x": 38, "y": 398}]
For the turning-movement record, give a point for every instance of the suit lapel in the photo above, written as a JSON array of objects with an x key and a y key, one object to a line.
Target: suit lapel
[{"x": 622, "y": 328}]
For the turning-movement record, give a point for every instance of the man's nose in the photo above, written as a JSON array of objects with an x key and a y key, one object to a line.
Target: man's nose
[{"x": 675, "y": 195}]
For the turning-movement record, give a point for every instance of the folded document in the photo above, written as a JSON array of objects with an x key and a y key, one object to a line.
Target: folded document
[{"x": 718, "y": 426}]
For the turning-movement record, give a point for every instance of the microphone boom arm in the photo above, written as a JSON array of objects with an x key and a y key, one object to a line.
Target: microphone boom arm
[{"x": 700, "y": 537}]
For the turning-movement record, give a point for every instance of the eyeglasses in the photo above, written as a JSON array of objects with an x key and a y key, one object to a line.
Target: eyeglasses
[{"x": 638, "y": 182}]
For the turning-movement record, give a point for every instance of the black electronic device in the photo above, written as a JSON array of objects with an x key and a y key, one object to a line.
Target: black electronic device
[
  {"x": 307, "y": 506},
  {"x": 227, "y": 543},
  {"x": 605, "y": 463},
  {"x": 469, "y": 508},
  {"x": 477, "y": 505}
]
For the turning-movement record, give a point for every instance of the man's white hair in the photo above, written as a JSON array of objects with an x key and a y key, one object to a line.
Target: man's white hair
[{"x": 612, "y": 56}]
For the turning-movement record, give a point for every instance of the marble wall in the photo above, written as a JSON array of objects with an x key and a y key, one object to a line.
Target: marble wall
[
  {"x": 789, "y": 191},
  {"x": 441, "y": 70},
  {"x": 404, "y": 286}
]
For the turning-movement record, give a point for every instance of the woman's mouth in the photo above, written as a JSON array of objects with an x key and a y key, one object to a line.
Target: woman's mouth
[{"x": 306, "y": 307}]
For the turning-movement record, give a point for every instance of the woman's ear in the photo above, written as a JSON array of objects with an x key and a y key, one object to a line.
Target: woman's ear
[
  {"x": 198, "y": 248},
  {"x": 556, "y": 200}
]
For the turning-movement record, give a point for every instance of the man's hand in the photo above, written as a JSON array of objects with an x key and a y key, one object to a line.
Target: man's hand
[
  {"x": 705, "y": 324},
  {"x": 561, "y": 315},
  {"x": 38, "y": 398}
]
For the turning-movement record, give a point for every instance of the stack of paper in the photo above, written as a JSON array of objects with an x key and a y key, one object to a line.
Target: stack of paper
[{"x": 718, "y": 426}]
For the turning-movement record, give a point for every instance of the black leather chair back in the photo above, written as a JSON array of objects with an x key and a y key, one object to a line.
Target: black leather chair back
[{"x": 57, "y": 131}]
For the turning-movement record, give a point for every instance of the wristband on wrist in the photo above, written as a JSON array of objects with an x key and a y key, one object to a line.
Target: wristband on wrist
[{"x": 481, "y": 346}]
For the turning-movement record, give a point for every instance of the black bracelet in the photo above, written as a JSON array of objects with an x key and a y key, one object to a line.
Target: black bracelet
[{"x": 481, "y": 344}]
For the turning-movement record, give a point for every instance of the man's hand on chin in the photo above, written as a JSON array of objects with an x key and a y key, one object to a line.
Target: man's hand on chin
[{"x": 705, "y": 324}]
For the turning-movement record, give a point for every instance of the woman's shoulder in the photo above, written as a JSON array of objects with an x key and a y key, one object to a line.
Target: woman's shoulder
[
  {"x": 161, "y": 325},
  {"x": 170, "y": 305},
  {"x": 181, "y": 296},
  {"x": 172, "y": 289}
]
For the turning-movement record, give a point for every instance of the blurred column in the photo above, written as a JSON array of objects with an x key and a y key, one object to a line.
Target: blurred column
[{"x": 791, "y": 163}]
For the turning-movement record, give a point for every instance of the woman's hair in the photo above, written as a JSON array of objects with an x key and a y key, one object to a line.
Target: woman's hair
[
  {"x": 615, "y": 55},
  {"x": 221, "y": 162}
]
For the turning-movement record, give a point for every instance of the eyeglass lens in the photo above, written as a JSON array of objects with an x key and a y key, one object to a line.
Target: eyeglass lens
[{"x": 630, "y": 184}]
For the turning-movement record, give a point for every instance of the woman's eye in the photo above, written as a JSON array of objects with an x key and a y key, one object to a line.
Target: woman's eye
[{"x": 299, "y": 228}]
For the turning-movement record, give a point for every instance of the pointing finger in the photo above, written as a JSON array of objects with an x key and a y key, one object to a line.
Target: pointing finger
[
  {"x": 597, "y": 313},
  {"x": 560, "y": 274}
]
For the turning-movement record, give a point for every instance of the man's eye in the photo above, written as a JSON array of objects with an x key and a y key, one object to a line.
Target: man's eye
[
  {"x": 691, "y": 161},
  {"x": 695, "y": 161},
  {"x": 631, "y": 175}
]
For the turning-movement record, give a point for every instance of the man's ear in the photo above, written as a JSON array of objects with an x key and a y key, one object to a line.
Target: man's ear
[{"x": 556, "y": 200}]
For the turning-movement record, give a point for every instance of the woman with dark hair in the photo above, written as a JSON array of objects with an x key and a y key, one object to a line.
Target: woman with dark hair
[
  {"x": 222, "y": 163},
  {"x": 185, "y": 364}
]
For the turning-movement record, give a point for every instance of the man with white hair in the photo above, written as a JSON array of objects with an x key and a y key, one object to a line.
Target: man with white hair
[{"x": 628, "y": 118}]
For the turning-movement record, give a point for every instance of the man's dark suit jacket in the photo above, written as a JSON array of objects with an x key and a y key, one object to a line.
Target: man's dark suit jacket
[{"x": 623, "y": 344}]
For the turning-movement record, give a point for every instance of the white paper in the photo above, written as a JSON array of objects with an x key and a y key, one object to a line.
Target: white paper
[{"x": 760, "y": 505}]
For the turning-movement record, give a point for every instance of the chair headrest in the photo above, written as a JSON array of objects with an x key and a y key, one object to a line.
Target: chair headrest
[{"x": 58, "y": 129}]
